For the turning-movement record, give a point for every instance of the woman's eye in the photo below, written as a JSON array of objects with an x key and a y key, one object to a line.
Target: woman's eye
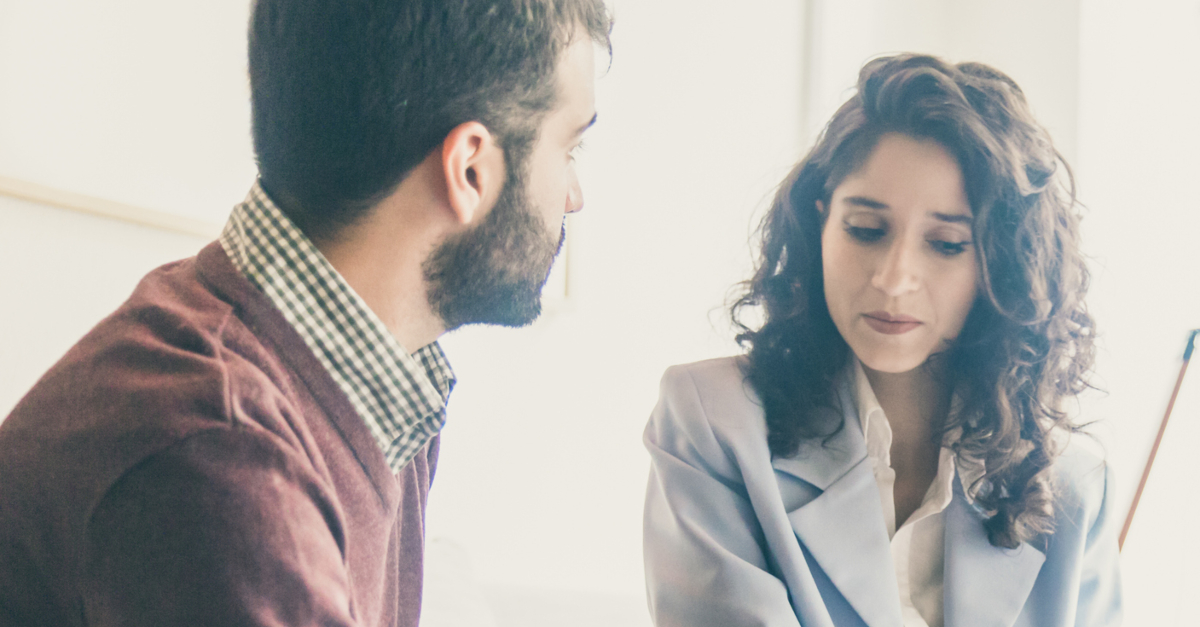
[
  {"x": 865, "y": 234},
  {"x": 949, "y": 249}
]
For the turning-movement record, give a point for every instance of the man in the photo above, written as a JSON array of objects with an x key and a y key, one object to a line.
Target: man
[{"x": 249, "y": 440}]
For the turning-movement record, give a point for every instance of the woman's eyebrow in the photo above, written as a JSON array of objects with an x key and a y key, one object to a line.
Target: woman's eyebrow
[
  {"x": 955, "y": 218},
  {"x": 864, "y": 201},
  {"x": 870, "y": 203}
]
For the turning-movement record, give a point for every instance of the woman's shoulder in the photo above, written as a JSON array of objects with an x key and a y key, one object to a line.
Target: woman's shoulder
[
  {"x": 714, "y": 389},
  {"x": 708, "y": 408},
  {"x": 1083, "y": 482},
  {"x": 708, "y": 374}
]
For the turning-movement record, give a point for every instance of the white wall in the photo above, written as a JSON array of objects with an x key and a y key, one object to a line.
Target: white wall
[
  {"x": 1139, "y": 131},
  {"x": 141, "y": 102},
  {"x": 1034, "y": 41}
]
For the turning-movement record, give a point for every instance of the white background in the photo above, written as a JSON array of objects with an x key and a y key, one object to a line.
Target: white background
[{"x": 706, "y": 105}]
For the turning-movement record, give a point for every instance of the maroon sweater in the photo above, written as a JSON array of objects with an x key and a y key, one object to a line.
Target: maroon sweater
[{"x": 189, "y": 462}]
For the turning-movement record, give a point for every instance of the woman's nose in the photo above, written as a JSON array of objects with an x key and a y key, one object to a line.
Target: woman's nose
[{"x": 898, "y": 272}]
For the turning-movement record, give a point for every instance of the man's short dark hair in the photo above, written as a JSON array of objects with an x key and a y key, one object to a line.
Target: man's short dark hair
[{"x": 350, "y": 95}]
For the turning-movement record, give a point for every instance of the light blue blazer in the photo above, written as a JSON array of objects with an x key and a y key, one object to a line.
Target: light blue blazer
[{"x": 736, "y": 538}]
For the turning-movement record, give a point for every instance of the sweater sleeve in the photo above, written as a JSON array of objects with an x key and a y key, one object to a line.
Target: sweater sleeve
[
  {"x": 226, "y": 527},
  {"x": 703, "y": 545}
]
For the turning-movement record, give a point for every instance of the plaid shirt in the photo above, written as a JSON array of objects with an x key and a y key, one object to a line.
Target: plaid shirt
[{"x": 401, "y": 397}]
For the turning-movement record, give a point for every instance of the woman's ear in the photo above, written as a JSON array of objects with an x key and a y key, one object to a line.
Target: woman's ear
[
  {"x": 473, "y": 166},
  {"x": 821, "y": 211}
]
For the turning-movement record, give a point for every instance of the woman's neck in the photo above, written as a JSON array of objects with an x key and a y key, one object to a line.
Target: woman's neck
[{"x": 916, "y": 404}]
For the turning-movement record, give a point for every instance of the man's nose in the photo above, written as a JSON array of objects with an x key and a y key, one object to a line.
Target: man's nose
[
  {"x": 898, "y": 273},
  {"x": 574, "y": 193}
]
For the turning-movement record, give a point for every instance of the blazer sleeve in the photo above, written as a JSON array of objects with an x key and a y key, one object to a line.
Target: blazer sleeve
[
  {"x": 702, "y": 543},
  {"x": 1100, "y": 581}
]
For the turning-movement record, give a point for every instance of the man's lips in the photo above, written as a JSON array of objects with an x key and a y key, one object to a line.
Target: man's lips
[{"x": 890, "y": 324}]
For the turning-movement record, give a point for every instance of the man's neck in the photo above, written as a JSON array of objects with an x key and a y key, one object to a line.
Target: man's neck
[
  {"x": 381, "y": 257},
  {"x": 386, "y": 282}
]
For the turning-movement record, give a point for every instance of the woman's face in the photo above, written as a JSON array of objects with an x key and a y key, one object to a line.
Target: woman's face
[{"x": 900, "y": 275}]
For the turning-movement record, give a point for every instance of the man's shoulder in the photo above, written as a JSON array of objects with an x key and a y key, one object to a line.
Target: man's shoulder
[
  {"x": 167, "y": 363},
  {"x": 184, "y": 322},
  {"x": 171, "y": 329}
]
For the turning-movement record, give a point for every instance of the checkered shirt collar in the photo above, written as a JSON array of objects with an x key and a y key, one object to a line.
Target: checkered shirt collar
[{"x": 401, "y": 397}]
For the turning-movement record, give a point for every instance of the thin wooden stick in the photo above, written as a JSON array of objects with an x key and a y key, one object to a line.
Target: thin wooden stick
[{"x": 1162, "y": 428}]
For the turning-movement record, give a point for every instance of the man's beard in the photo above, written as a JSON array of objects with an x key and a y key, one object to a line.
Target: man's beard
[{"x": 494, "y": 272}]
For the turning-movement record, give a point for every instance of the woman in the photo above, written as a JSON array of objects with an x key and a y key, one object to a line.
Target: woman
[{"x": 892, "y": 448}]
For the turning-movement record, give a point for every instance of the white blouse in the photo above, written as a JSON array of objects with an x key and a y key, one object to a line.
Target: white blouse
[{"x": 918, "y": 546}]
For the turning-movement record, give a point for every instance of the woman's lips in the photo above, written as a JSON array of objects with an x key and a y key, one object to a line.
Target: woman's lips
[{"x": 890, "y": 324}]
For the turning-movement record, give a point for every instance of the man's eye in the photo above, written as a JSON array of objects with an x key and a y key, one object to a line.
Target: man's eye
[
  {"x": 575, "y": 151},
  {"x": 865, "y": 234},
  {"x": 949, "y": 249}
]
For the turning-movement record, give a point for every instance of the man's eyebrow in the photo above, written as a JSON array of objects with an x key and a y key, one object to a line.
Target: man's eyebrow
[{"x": 585, "y": 127}]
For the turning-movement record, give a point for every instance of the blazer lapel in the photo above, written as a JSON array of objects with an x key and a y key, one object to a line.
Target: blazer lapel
[
  {"x": 843, "y": 526},
  {"x": 984, "y": 585}
]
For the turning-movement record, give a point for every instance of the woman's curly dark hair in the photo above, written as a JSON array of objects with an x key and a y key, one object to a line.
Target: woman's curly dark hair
[{"x": 1027, "y": 344}]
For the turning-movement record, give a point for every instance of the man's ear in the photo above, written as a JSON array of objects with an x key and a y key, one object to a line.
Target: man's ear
[{"x": 473, "y": 164}]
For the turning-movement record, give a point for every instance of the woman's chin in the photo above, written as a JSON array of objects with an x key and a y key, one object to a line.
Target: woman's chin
[{"x": 890, "y": 362}]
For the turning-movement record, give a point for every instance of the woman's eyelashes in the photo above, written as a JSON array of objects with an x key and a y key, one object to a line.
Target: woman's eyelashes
[
  {"x": 865, "y": 234},
  {"x": 944, "y": 245},
  {"x": 949, "y": 249}
]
